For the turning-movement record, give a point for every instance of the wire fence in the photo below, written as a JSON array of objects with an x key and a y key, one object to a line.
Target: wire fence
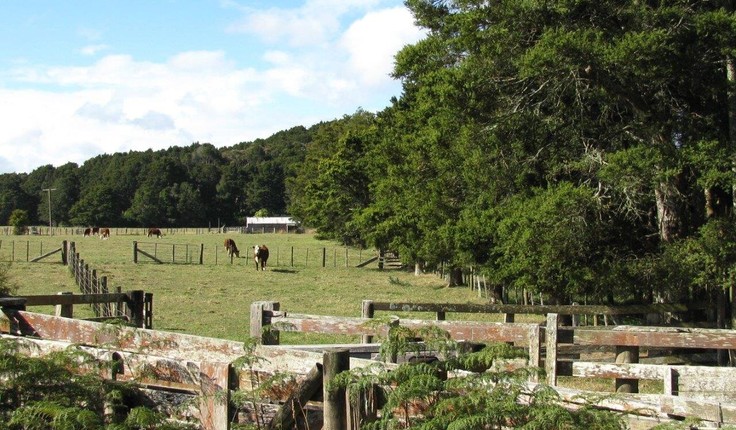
[{"x": 279, "y": 256}]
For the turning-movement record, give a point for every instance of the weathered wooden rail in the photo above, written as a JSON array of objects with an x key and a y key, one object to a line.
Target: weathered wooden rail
[
  {"x": 690, "y": 390},
  {"x": 369, "y": 307},
  {"x": 135, "y": 307},
  {"x": 201, "y": 370}
]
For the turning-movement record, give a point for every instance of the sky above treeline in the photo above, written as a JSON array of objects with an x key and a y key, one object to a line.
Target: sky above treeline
[{"x": 82, "y": 78}]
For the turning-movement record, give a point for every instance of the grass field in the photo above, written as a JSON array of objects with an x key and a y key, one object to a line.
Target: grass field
[{"x": 213, "y": 299}]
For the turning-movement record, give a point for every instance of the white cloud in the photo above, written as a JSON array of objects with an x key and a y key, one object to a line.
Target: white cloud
[
  {"x": 372, "y": 41},
  {"x": 118, "y": 103}
]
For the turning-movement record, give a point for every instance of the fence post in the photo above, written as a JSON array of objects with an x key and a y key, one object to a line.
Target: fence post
[
  {"x": 201, "y": 253},
  {"x": 550, "y": 361},
  {"x": 66, "y": 311},
  {"x": 627, "y": 354},
  {"x": 148, "y": 311},
  {"x": 64, "y": 252},
  {"x": 292, "y": 256},
  {"x": 335, "y": 407},
  {"x": 367, "y": 311},
  {"x": 135, "y": 307},
  {"x": 119, "y": 304},
  {"x": 324, "y": 257},
  {"x": 535, "y": 351},
  {"x": 135, "y": 251},
  {"x": 258, "y": 320}
]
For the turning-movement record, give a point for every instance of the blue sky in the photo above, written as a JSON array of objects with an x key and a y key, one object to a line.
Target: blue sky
[{"x": 80, "y": 78}]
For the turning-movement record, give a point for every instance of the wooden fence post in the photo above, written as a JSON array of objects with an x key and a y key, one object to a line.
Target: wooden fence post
[
  {"x": 367, "y": 310},
  {"x": 550, "y": 360},
  {"x": 148, "y": 311},
  {"x": 335, "y": 406},
  {"x": 627, "y": 354},
  {"x": 258, "y": 320},
  {"x": 119, "y": 304},
  {"x": 324, "y": 257},
  {"x": 535, "y": 351},
  {"x": 64, "y": 252},
  {"x": 135, "y": 307},
  {"x": 292, "y": 257},
  {"x": 135, "y": 251},
  {"x": 201, "y": 253},
  {"x": 66, "y": 311}
]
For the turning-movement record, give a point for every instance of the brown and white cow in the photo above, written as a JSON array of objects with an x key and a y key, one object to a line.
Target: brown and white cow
[
  {"x": 231, "y": 248},
  {"x": 260, "y": 255},
  {"x": 95, "y": 231},
  {"x": 87, "y": 232},
  {"x": 104, "y": 233},
  {"x": 154, "y": 232}
]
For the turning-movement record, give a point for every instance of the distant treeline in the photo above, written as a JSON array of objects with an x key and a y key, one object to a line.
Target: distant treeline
[{"x": 198, "y": 185}]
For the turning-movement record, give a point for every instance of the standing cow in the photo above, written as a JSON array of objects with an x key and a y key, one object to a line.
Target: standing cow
[
  {"x": 260, "y": 255},
  {"x": 231, "y": 248},
  {"x": 154, "y": 232},
  {"x": 104, "y": 233},
  {"x": 87, "y": 232}
]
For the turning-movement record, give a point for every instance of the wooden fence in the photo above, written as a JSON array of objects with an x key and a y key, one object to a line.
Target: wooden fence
[
  {"x": 704, "y": 391},
  {"x": 199, "y": 371},
  {"x": 28, "y": 251},
  {"x": 135, "y": 306},
  {"x": 508, "y": 311}
]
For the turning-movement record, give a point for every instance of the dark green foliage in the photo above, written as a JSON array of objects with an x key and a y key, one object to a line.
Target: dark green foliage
[
  {"x": 7, "y": 287},
  {"x": 19, "y": 221}
]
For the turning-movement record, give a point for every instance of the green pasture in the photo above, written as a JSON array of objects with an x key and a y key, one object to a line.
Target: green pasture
[{"x": 213, "y": 299}]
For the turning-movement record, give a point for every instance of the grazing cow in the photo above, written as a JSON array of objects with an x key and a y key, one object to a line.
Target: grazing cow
[
  {"x": 260, "y": 255},
  {"x": 154, "y": 232},
  {"x": 87, "y": 232},
  {"x": 104, "y": 233},
  {"x": 95, "y": 231},
  {"x": 231, "y": 248}
]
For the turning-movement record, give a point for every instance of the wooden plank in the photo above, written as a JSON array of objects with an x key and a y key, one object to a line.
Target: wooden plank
[
  {"x": 658, "y": 337},
  {"x": 539, "y": 309},
  {"x": 550, "y": 360},
  {"x": 73, "y": 299},
  {"x": 48, "y": 254},
  {"x": 214, "y": 399},
  {"x": 161, "y": 343},
  {"x": 473, "y": 331},
  {"x": 584, "y": 369},
  {"x": 140, "y": 251}
]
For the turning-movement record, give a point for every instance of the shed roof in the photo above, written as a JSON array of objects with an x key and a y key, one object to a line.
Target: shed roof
[{"x": 282, "y": 220}]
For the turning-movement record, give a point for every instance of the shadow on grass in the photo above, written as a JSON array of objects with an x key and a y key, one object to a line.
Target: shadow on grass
[{"x": 284, "y": 270}]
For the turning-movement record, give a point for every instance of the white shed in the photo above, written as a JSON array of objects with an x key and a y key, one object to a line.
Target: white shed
[{"x": 271, "y": 224}]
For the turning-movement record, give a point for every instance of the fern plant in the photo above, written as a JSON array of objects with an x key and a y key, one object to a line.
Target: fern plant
[
  {"x": 260, "y": 388},
  {"x": 419, "y": 395},
  {"x": 63, "y": 390}
]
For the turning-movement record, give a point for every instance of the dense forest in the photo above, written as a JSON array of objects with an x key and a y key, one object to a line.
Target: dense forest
[{"x": 569, "y": 147}]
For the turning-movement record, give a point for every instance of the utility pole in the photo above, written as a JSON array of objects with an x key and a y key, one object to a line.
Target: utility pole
[{"x": 48, "y": 191}]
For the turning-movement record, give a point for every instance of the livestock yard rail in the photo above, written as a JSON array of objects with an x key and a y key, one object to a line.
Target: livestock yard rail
[
  {"x": 704, "y": 391},
  {"x": 204, "y": 370}
]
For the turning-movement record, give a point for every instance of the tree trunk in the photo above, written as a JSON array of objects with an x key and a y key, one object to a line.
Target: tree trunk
[
  {"x": 418, "y": 269},
  {"x": 669, "y": 219},
  {"x": 455, "y": 277}
]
